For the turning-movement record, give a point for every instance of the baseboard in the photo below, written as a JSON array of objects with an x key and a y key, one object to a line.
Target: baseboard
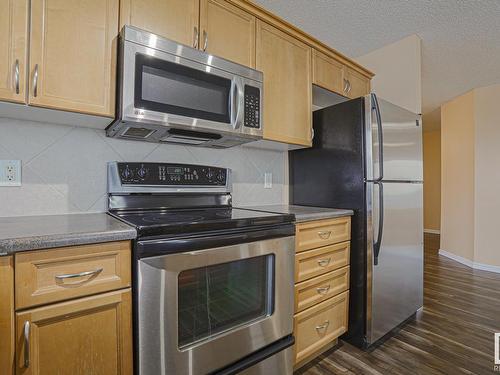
[
  {"x": 432, "y": 231},
  {"x": 469, "y": 263}
]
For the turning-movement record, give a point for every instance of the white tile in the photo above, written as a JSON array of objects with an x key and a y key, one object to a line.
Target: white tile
[
  {"x": 130, "y": 151},
  {"x": 171, "y": 154},
  {"x": 34, "y": 197},
  {"x": 26, "y": 139},
  {"x": 101, "y": 205},
  {"x": 78, "y": 163}
]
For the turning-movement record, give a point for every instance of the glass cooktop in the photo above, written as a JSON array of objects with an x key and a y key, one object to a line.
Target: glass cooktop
[{"x": 158, "y": 222}]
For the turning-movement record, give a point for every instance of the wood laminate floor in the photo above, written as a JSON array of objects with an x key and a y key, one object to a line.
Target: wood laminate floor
[{"x": 453, "y": 334}]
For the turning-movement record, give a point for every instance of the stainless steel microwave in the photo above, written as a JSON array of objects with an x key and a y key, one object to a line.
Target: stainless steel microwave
[{"x": 169, "y": 92}]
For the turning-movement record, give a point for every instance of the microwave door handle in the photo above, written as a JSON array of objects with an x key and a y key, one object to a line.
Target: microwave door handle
[{"x": 236, "y": 103}]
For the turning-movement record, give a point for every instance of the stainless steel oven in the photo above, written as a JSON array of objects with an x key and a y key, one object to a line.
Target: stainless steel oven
[
  {"x": 169, "y": 92},
  {"x": 202, "y": 310}
]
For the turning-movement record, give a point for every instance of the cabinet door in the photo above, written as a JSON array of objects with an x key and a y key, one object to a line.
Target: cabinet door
[
  {"x": 85, "y": 336},
  {"x": 172, "y": 19},
  {"x": 6, "y": 315},
  {"x": 357, "y": 84},
  {"x": 327, "y": 72},
  {"x": 238, "y": 44},
  {"x": 73, "y": 55},
  {"x": 286, "y": 64},
  {"x": 13, "y": 33}
]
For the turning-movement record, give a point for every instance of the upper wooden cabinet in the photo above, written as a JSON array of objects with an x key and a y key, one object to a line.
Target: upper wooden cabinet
[
  {"x": 13, "y": 36},
  {"x": 327, "y": 72},
  {"x": 73, "y": 55},
  {"x": 91, "y": 335},
  {"x": 356, "y": 84},
  {"x": 286, "y": 64},
  {"x": 6, "y": 315},
  {"x": 174, "y": 19},
  {"x": 227, "y": 31}
]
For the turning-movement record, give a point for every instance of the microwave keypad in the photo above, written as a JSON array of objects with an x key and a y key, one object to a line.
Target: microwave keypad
[{"x": 252, "y": 107}]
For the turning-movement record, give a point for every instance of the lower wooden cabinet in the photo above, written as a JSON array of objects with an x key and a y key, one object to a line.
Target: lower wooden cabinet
[
  {"x": 6, "y": 315},
  {"x": 91, "y": 335}
]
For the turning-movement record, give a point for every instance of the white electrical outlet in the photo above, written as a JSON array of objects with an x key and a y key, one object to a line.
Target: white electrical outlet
[
  {"x": 268, "y": 180},
  {"x": 10, "y": 172}
]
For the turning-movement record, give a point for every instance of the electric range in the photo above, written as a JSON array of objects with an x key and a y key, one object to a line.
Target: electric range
[{"x": 207, "y": 276}]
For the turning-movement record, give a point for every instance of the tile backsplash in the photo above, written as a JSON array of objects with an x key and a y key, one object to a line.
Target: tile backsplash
[{"x": 64, "y": 167}]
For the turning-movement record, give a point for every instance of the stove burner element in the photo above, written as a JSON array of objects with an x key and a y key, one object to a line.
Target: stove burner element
[{"x": 165, "y": 218}]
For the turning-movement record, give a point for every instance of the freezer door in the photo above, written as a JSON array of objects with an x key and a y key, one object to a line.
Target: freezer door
[
  {"x": 395, "y": 283},
  {"x": 402, "y": 150}
]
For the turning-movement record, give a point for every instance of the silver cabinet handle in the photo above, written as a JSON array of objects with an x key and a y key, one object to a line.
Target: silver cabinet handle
[
  {"x": 323, "y": 290},
  {"x": 35, "y": 81},
  {"x": 323, "y": 326},
  {"x": 345, "y": 85},
  {"x": 324, "y": 262},
  {"x": 196, "y": 37},
  {"x": 16, "y": 76},
  {"x": 81, "y": 274},
  {"x": 27, "y": 327},
  {"x": 325, "y": 234},
  {"x": 205, "y": 38},
  {"x": 349, "y": 86}
]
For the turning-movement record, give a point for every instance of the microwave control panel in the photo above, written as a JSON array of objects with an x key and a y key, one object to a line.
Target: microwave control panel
[
  {"x": 252, "y": 107},
  {"x": 165, "y": 174}
]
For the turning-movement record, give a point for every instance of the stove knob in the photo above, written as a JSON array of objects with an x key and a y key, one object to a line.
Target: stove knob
[
  {"x": 221, "y": 176},
  {"x": 127, "y": 173},
  {"x": 142, "y": 172},
  {"x": 210, "y": 174}
]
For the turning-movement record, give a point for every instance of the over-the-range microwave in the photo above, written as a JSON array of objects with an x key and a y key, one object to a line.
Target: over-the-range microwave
[{"x": 168, "y": 92}]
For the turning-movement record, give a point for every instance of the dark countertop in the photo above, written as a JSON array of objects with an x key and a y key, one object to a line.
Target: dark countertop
[
  {"x": 304, "y": 213},
  {"x": 22, "y": 233}
]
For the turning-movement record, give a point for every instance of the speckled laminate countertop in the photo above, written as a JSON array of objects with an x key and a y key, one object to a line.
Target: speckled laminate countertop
[
  {"x": 304, "y": 213},
  {"x": 40, "y": 232}
]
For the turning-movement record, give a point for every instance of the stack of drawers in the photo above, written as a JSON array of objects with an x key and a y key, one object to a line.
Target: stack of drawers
[{"x": 321, "y": 285}]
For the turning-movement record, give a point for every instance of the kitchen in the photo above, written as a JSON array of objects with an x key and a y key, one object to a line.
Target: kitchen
[{"x": 198, "y": 186}]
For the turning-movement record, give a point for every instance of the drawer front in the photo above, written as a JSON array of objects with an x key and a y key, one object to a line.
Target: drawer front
[
  {"x": 309, "y": 264},
  {"x": 321, "y": 233},
  {"x": 58, "y": 274},
  {"x": 320, "y": 325},
  {"x": 319, "y": 289}
]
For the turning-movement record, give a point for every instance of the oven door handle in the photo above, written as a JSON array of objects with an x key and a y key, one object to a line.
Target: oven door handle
[{"x": 190, "y": 244}]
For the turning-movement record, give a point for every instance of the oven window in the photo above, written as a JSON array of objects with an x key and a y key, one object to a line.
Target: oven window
[
  {"x": 167, "y": 87},
  {"x": 218, "y": 298}
]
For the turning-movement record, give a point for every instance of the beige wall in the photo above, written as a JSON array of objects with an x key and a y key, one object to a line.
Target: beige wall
[
  {"x": 457, "y": 176},
  {"x": 397, "y": 69},
  {"x": 487, "y": 175},
  {"x": 432, "y": 179}
]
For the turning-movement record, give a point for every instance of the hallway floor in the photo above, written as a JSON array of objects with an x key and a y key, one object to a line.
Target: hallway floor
[{"x": 453, "y": 334}]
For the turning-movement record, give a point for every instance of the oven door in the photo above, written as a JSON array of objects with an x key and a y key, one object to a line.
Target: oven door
[
  {"x": 202, "y": 310},
  {"x": 160, "y": 88}
]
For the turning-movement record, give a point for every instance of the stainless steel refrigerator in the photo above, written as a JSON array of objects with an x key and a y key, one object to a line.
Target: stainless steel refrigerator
[{"x": 367, "y": 156}]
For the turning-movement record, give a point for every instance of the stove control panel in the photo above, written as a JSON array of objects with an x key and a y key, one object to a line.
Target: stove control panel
[{"x": 168, "y": 174}]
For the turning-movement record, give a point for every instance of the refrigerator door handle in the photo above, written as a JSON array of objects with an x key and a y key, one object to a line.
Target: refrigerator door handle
[
  {"x": 376, "y": 108},
  {"x": 377, "y": 244}
]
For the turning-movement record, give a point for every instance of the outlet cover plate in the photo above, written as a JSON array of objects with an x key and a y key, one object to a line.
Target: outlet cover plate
[
  {"x": 268, "y": 180},
  {"x": 10, "y": 172}
]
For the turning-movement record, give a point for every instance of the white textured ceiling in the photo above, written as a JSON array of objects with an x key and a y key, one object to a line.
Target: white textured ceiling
[{"x": 460, "y": 38}]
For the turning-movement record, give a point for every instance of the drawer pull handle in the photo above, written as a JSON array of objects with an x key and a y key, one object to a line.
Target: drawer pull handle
[
  {"x": 324, "y": 262},
  {"x": 26, "y": 334},
  {"x": 323, "y": 326},
  {"x": 323, "y": 290},
  {"x": 81, "y": 274},
  {"x": 325, "y": 234}
]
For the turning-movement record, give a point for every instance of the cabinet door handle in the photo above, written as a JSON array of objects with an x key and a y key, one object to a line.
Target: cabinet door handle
[
  {"x": 348, "y": 86},
  {"x": 323, "y": 326},
  {"x": 325, "y": 234},
  {"x": 27, "y": 327},
  {"x": 205, "y": 38},
  {"x": 345, "y": 85},
  {"x": 35, "y": 81},
  {"x": 324, "y": 262},
  {"x": 80, "y": 274},
  {"x": 196, "y": 37},
  {"x": 16, "y": 76},
  {"x": 323, "y": 290}
]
